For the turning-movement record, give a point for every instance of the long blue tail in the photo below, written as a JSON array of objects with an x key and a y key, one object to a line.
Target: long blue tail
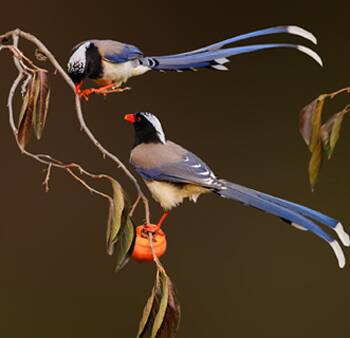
[
  {"x": 214, "y": 56},
  {"x": 297, "y": 215}
]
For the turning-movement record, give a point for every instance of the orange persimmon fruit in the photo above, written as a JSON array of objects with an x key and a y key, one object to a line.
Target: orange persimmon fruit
[{"x": 142, "y": 250}]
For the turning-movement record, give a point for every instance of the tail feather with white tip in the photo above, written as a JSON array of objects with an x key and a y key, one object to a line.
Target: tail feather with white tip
[
  {"x": 214, "y": 56},
  {"x": 297, "y": 215}
]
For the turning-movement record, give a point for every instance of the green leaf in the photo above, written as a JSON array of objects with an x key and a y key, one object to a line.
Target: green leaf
[
  {"x": 120, "y": 229},
  {"x": 336, "y": 131},
  {"x": 316, "y": 125},
  {"x": 163, "y": 295},
  {"x": 116, "y": 216},
  {"x": 146, "y": 314},
  {"x": 172, "y": 315},
  {"x": 331, "y": 131},
  {"x": 313, "y": 135},
  {"x": 40, "y": 115},
  {"x": 28, "y": 111},
  {"x": 325, "y": 142},
  {"x": 161, "y": 315},
  {"x": 125, "y": 245}
]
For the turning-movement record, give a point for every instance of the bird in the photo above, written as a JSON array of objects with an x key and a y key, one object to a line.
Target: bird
[
  {"x": 111, "y": 63},
  {"x": 173, "y": 174}
]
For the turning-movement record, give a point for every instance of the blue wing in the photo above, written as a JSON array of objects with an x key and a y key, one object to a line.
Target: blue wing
[
  {"x": 191, "y": 169},
  {"x": 127, "y": 53}
]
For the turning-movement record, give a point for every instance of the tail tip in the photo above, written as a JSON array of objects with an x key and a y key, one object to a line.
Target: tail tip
[
  {"x": 338, "y": 253},
  {"x": 296, "y": 30},
  {"x": 311, "y": 53},
  {"x": 342, "y": 234}
]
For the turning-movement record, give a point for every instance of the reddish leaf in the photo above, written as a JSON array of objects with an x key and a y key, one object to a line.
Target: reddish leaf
[
  {"x": 161, "y": 315},
  {"x": 310, "y": 121},
  {"x": 40, "y": 115},
  {"x": 27, "y": 111}
]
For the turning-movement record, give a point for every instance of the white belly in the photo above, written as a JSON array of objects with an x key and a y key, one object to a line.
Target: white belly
[
  {"x": 169, "y": 195},
  {"x": 119, "y": 73}
]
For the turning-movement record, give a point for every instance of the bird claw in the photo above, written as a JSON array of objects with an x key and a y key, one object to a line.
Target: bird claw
[
  {"x": 115, "y": 89},
  {"x": 84, "y": 94},
  {"x": 104, "y": 91}
]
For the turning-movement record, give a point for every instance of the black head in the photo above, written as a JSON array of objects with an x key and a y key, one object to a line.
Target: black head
[
  {"x": 85, "y": 62},
  {"x": 147, "y": 128}
]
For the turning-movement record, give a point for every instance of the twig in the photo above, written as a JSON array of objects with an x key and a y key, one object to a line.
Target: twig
[
  {"x": 19, "y": 33},
  {"x": 343, "y": 90},
  {"x": 47, "y": 178},
  {"x": 43, "y": 158}
]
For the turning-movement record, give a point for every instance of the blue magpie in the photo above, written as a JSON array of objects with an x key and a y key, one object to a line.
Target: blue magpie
[
  {"x": 173, "y": 173},
  {"x": 110, "y": 63}
]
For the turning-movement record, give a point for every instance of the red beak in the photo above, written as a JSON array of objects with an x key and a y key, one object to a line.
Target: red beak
[{"x": 130, "y": 118}]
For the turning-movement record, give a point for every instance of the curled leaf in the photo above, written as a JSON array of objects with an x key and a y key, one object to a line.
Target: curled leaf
[
  {"x": 28, "y": 109},
  {"x": 40, "y": 115},
  {"x": 40, "y": 56},
  {"x": 161, "y": 315}
]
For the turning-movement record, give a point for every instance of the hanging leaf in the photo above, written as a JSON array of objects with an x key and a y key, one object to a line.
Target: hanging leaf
[
  {"x": 316, "y": 125},
  {"x": 331, "y": 131},
  {"x": 117, "y": 216},
  {"x": 315, "y": 165},
  {"x": 305, "y": 120},
  {"x": 120, "y": 229},
  {"x": 125, "y": 245},
  {"x": 310, "y": 121},
  {"x": 40, "y": 115},
  {"x": 325, "y": 141},
  {"x": 171, "y": 321},
  {"x": 310, "y": 129},
  {"x": 161, "y": 315},
  {"x": 27, "y": 111},
  {"x": 320, "y": 137}
]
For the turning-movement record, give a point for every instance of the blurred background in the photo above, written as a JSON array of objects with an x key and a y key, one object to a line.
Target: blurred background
[{"x": 239, "y": 272}]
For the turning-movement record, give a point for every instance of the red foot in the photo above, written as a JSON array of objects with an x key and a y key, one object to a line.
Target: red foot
[
  {"x": 105, "y": 90},
  {"x": 155, "y": 228}
]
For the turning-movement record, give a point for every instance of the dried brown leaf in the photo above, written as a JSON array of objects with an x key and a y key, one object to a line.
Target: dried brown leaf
[
  {"x": 40, "y": 56},
  {"x": 171, "y": 321},
  {"x": 310, "y": 121},
  {"x": 315, "y": 164},
  {"x": 27, "y": 112},
  {"x": 161, "y": 315},
  {"x": 40, "y": 115}
]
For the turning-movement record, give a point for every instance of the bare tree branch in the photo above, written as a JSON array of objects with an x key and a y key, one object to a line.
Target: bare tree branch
[{"x": 20, "y": 59}]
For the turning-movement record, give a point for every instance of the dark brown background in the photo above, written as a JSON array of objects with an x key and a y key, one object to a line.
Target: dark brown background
[{"x": 239, "y": 273}]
